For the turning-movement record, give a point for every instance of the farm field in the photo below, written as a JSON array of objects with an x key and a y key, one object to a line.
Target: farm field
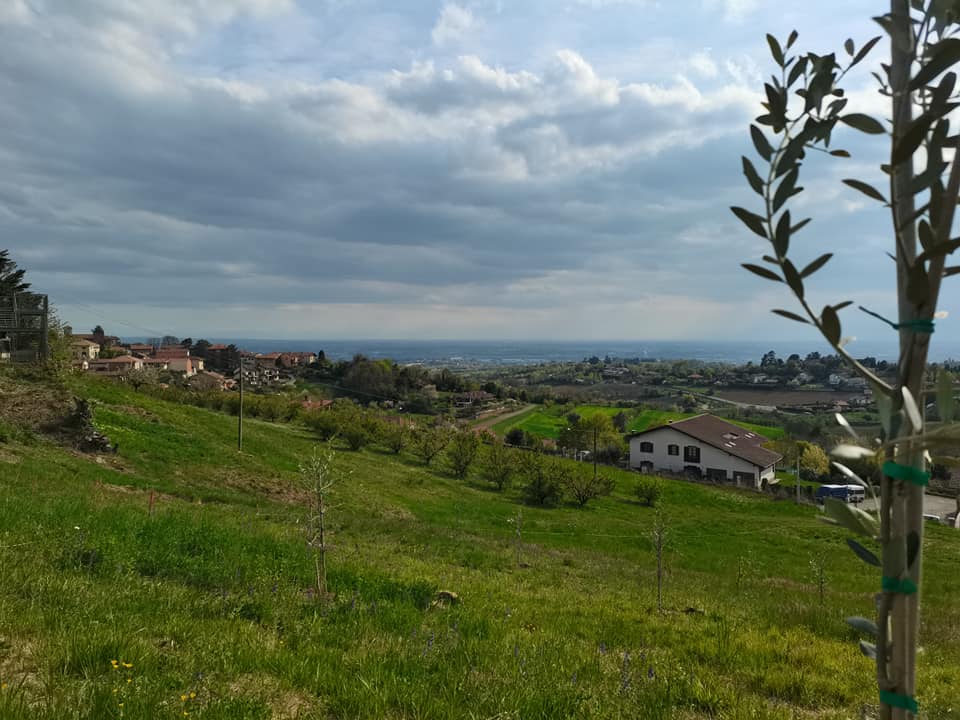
[
  {"x": 548, "y": 422},
  {"x": 783, "y": 397},
  {"x": 173, "y": 578}
]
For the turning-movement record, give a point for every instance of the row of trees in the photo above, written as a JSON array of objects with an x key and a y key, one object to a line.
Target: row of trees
[{"x": 543, "y": 479}]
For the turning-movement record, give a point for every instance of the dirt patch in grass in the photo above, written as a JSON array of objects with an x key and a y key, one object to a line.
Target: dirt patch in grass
[
  {"x": 285, "y": 704},
  {"x": 276, "y": 488},
  {"x": 33, "y": 407}
]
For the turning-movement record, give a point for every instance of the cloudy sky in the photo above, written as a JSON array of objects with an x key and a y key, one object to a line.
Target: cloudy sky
[{"x": 418, "y": 169}]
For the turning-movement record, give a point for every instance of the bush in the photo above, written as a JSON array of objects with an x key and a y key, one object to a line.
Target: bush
[
  {"x": 324, "y": 423},
  {"x": 582, "y": 486},
  {"x": 647, "y": 491},
  {"x": 429, "y": 442},
  {"x": 501, "y": 463},
  {"x": 395, "y": 436},
  {"x": 355, "y": 434},
  {"x": 514, "y": 436},
  {"x": 462, "y": 451},
  {"x": 544, "y": 478}
]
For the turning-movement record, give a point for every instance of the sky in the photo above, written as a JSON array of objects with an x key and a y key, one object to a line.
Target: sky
[{"x": 487, "y": 169}]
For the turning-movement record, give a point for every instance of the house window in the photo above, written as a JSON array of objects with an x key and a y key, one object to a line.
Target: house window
[
  {"x": 691, "y": 454},
  {"x": 673, "y": 449},
  {"x": 646, "y": 447}
]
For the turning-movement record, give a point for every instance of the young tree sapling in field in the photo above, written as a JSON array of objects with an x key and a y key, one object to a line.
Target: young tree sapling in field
[{"x": 805, "y": 103}]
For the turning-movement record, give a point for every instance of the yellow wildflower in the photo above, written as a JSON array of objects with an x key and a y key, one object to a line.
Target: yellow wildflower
[
  {"x": 129, "y": 680},
  {"x": 192, "y": 695},
  {"x": 127, "y": 665},
  {"x": 3, "y": 686},
  {"x": 183, "y": 698}
]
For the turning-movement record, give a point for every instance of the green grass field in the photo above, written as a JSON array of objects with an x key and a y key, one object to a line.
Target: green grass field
[
  {"x": 548, "y": 422},
  {"x": 647, "y": 419},
  {"x": 206, "y": 597}
]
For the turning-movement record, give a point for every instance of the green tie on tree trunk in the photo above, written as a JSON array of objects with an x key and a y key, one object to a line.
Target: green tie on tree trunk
[{"x": 804, "y": 104}]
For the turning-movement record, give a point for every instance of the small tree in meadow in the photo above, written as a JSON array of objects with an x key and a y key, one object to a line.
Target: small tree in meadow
[
  {"x": 317, "y": 478},
  {"x": 543, "y": 477},
  {"x": 428, "y": 442},
  {"x": 395, "y": 435},
  {"x": 143, "y": 377},
  {"x": 581, "y": 485},
  {"x": 462, "y": 452},
  {"x": 501, "y": 463},
  {"x": 647, "y": 491}
]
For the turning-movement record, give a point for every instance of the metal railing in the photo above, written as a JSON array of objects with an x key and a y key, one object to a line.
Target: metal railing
[{"x": 24, "y": 323}]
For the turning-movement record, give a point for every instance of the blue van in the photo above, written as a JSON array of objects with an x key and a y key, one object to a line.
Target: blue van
[{"x": 847, "y": 493}]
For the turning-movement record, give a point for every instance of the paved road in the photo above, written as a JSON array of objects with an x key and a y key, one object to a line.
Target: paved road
[{"x": 932, "y": 504}]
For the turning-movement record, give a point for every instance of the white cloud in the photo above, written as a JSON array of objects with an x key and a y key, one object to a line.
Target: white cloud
[
  {"x": 454, "y": 23},
  {"x": 702, "y": 64},
  {"x": 734, "y": 10}
]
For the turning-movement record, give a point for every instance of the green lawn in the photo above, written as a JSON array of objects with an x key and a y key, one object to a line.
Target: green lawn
[
  {"x": 548, "y": 422},
  {"x": 206, "y": 596},
  {"x": 647, "y": 419}
]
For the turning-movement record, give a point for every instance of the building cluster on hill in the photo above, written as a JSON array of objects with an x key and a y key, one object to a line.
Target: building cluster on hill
[{"x": 217, "y": 365}]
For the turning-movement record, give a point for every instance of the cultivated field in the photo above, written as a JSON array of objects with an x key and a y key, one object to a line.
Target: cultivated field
[
  {"x": 201, "y": 607},
  {"x": 785, "y": 398}
]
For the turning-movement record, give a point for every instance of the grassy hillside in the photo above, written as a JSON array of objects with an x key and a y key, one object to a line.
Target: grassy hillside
[{"x": 206, "y": 597}]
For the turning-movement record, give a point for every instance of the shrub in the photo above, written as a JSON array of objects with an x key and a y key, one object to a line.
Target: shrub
[
  {"x": 582, "y": 486},
  {"x": 647, "y": 491},
  {"x": 429, "y": 442},
  {"x": 543, "y": 478},
  {"x": 356, "y": 434},
  {"x": 324, "y": 423},
  {"x": 395, "y": 435},
  {"x": 462, "y": 451},
  {"x": 514, "y": 436},
  {"x": 501, "y": 464}
]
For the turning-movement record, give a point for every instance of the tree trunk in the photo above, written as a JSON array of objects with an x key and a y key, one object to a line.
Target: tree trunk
[{"x": 902, "y": 502}]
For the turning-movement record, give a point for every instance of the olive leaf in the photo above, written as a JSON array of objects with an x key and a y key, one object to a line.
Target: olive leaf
[
  {"x": 863, "y": 625},
  {"x": 816, "y": 265},
  {"x": 911, "y": 409},
  {"x": 864, "y": 554},
  {"x": 942, "y": 55},
  {"x": 761, "y": 143},
  {"x": 762, "y": 272},
  {"x": 863, "y": 123},
  {"x": 751, "y": 220},
  {"x": 790, "y": 316},
  {"x": 866, "y": 189}
]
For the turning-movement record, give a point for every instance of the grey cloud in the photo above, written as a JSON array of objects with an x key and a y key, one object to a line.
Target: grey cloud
[{"x": 130, "y": 175}]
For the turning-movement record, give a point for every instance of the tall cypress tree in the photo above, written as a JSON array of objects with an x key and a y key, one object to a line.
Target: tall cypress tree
[{"x": 11, "y": 278}]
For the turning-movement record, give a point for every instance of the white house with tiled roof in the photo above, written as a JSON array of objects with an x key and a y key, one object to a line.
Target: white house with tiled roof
[{"x": 706, "y": 446}]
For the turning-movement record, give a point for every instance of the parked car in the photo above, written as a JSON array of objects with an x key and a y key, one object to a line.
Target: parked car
[
  {"x": 951, "y": 519},
  {"x": 933, "y": 518}
]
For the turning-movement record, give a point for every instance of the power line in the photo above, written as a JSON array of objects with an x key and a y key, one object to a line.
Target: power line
[{"x": 100, "y": 314}]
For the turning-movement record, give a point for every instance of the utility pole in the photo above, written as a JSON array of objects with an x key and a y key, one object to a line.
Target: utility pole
[
  {"x": 240, "y": 412},
  {"x": 797, "y": 476}
]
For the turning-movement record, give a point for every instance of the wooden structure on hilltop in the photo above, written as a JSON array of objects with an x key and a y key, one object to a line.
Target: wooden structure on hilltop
[{"x": 24, "y": 324}]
